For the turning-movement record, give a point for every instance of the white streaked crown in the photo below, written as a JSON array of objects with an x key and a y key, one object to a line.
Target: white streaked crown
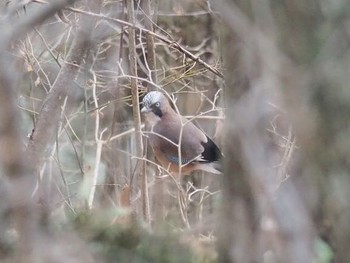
[{"x": 151, "y": 98}]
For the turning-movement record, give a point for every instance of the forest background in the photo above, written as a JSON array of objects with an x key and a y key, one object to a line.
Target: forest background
[{"x": 267, "y": 79}]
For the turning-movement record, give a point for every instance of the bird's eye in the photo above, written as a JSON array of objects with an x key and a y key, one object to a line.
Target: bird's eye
[{"x": 157, "y": 104}]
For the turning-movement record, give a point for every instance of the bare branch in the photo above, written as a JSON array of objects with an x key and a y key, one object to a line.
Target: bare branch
[
  {"x": 171, "y": 43},
  {"x": 136, "y": 110},
  {"x": 44, "y": 130}
]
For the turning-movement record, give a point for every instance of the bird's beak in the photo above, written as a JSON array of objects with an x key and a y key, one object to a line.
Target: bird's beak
[{"x": 144, "y": 110}]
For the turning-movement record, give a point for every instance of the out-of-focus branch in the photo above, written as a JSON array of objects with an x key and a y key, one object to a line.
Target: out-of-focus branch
[
  {"x": 149, "y": 20},
  {"x": 150, "y": 62},
  {"x": 151, "y": 55},
  {"x": 14, "y": 165},
  {"x": 45, "y": 128},
  {"x": 13, "y": 29},
  {"x": 136, "y": 110},
  {"x": 248, "y": 182}
]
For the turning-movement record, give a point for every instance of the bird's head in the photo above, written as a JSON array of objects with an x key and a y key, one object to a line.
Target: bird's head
[{"x": 156, "y": 103}]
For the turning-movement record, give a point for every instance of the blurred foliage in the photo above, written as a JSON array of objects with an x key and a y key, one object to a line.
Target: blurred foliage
[
  {"x": 324, "y": 253},
  {"x": 133, "y": 243}
]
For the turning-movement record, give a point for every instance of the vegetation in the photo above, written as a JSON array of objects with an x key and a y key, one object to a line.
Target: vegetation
[{"x": 267, "y": 80}]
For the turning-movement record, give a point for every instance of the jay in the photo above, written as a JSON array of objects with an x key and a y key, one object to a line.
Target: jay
[{"x": 177, "y": 143}]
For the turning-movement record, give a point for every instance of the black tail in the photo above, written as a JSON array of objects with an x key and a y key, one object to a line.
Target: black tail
[{"x": 211, "y": 152}]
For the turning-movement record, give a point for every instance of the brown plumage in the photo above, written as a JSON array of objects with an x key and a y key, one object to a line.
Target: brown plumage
[{"x": 168, "y": 129}]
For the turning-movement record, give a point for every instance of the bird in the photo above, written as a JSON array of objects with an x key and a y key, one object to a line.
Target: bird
[{"x": 178, "y": 144}]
